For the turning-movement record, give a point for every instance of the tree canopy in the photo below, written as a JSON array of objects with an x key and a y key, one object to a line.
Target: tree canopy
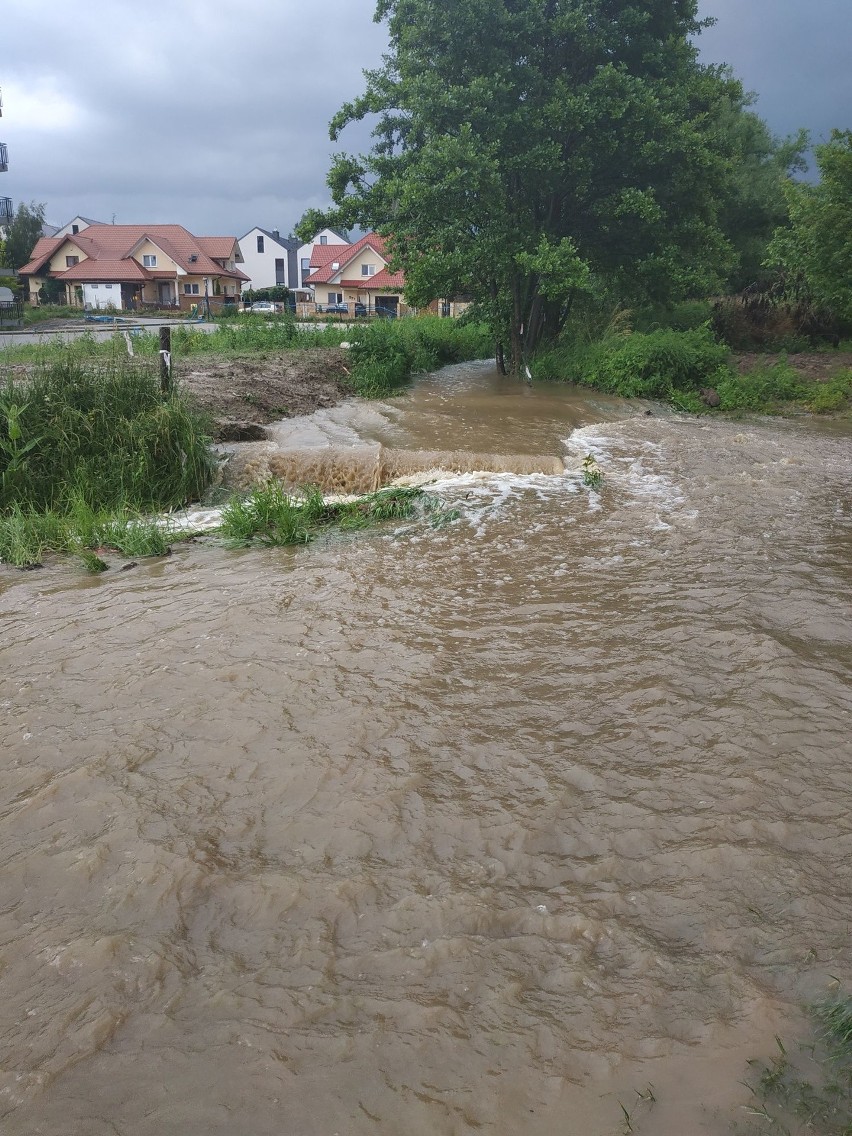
[
  {"x": 22, "y": 234},
  {"x": 526, "y": 151},
  {"x": 816, "y": 245}
]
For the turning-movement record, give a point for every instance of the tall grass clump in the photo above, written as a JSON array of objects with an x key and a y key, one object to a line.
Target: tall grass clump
[
  {"x": 269, "y": 515},
  {"x": 102, "y": 435},
  {"x": 386, "y": 353},
  {"x": 26, "y": 535}
]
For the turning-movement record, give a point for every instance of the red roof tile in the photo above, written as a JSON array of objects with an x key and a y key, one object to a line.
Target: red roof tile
[
  {"x": 45, "y": 247},
  {"x": 118, "y": 242},
  {"x": 124, "y": 271},
  {"x": 383, "y": 279},
  {"x": 322, "y": 259}
]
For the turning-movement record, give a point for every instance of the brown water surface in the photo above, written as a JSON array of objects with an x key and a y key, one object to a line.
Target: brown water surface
[{"x": 476, "y": 829}]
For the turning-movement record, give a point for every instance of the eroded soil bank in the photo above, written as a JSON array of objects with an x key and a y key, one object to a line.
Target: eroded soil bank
[{"x": 240, "y": 391}]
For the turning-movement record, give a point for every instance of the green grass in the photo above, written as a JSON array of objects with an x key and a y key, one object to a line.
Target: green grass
[
  {"x": 104, "y": 435},
  {"x": 26, "y": 536},
  {"x": 269, "y": 515},
  {"x": 385, "y": 353},
  {"x": 673, "y": 366}
]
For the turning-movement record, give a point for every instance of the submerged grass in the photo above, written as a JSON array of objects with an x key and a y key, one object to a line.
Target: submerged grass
[
  {"x": 26, "y": 536},
  {"x": 809, "y": 1090},
  {"x": 272, "y": 516}
]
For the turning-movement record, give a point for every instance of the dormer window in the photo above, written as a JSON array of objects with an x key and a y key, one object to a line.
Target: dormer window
[
  {"x": 323, "y": 240},
  {"x": 75, "y": 229},
  {"x": 70, "y": 261},
  {"x": 368, "y": 270},
  {"x": 149, "y": 260}
]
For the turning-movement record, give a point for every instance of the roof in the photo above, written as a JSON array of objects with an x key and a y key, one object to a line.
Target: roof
[
  {"x": 289, "y": 243},
  {"x": 44, "y": 249},
  {"x": 383, "y": 279},
  {"x": 324, "y": 256},
  {"x": 115, "y": 243},
  {"x": 123, "y": 271}
]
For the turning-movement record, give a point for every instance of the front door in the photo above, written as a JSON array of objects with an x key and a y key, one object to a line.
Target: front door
[{"x": 166, "y": 294}]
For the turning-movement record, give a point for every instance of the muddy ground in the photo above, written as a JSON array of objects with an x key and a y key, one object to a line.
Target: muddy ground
[{"x": 241, "y": 393}]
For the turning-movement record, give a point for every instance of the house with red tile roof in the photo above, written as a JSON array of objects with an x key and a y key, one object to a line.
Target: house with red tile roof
[
  {"x": 356, "y": 273},
  {"x": 133, "y": 266}
]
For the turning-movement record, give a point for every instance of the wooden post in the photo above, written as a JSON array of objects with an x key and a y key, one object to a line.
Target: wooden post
[{"x": 166, "y": 360}]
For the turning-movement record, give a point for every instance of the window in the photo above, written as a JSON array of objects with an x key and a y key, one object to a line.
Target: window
[
  {"x": 149, "y": 260},
  {"x": 280, "y": 274},
  {"x": 335, "y": 297},
  {"x": 96, "y": 285},
  {"x": 105, "y": 285},
  {"x": 323, "y": 240},
  {"x": 368, "y": 270},
  {"x": 75, "y": 229},
  {"x": 260, "y": 244},
  {"x": 70, "y": 261},
  {"x": 190, "y": 289}
]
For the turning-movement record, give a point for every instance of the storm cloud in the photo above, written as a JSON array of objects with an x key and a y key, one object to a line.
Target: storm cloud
[{"x": 215, "y": 115}]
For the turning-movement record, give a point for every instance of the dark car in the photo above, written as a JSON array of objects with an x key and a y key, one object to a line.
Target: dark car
[{"x": 360, "y": 309}]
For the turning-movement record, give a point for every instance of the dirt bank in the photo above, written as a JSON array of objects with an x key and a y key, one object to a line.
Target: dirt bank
[
  {"x": 819, "y": 366},
  {"x": 241, "y": 393}
]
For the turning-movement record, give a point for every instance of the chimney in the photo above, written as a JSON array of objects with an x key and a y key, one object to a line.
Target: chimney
[{"x": 276, "y": 234}]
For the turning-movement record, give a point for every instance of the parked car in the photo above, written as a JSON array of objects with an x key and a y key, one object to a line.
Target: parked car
[
  {"x": 360, "y": 309},
  {"x": 263, "y": 306}
]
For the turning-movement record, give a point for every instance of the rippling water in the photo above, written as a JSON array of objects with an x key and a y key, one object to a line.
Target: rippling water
[{"x": 477, "y": 829}]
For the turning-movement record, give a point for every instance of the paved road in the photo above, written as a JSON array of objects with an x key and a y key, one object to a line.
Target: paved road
[{"x": 99, "y": 331}]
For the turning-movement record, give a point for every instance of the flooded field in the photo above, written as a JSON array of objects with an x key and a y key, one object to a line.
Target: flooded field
[{"x": 478, "y": 829}]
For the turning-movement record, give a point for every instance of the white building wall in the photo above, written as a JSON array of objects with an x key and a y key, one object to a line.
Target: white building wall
[
  {"x": 305, "y": 251},
  {"x": 260, "y": 266},
  {"x": 102, "y": 296}
]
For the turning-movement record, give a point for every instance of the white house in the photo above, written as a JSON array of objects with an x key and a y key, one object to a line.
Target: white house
[{"x": 270, "y": 259}]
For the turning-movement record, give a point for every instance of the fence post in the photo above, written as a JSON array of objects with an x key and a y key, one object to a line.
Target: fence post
[{"x": 166, "y": 360}]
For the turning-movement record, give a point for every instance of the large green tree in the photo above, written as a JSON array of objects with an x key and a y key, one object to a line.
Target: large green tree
[
  {"x": 815, "y": 248},
  {"x": 22, "y": 234},
  {"x": 527, "y": 150}
]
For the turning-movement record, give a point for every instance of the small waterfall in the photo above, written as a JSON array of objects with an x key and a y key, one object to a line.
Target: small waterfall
[{"x": 364, "y": 469}]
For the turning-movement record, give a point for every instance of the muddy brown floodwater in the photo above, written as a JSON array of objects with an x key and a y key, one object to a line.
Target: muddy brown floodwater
[{"x": 477, "y": 829}]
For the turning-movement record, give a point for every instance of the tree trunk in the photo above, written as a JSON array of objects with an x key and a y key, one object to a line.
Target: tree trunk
[{"x": 501, "y": 361}]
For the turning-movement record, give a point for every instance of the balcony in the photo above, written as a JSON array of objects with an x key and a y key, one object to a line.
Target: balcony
[
  {"x": 4, "y": 158},
  {"x": 7, "y": 213}
]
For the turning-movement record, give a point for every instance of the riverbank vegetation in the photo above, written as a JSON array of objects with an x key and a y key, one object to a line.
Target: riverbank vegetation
[
  {"x": 384, "y": 353},
  {"x": 588, "y": 165},
  {"x": 270, "y": 515},
  {"x": 807, "y": 1088}
]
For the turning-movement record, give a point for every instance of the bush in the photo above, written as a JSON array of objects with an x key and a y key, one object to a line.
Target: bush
[
  {"x": 762, "y": 388},
  {"x": 688, "y": 315},
  {"x": 642, "y": 365}
]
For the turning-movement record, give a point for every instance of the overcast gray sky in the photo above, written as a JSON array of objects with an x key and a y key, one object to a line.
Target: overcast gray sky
[{"x": 214, "y": 113}]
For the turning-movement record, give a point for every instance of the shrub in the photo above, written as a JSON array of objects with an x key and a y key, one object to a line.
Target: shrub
[
  {"x": 762, "y": 388},
  {"x": 642, "y": 365}
]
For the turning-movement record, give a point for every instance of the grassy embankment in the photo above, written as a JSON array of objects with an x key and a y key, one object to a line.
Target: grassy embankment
[
  {"x": 89, "y": 446},
  {"x": 674, "y": 363},
  {"x": 385, "y": 353}
]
